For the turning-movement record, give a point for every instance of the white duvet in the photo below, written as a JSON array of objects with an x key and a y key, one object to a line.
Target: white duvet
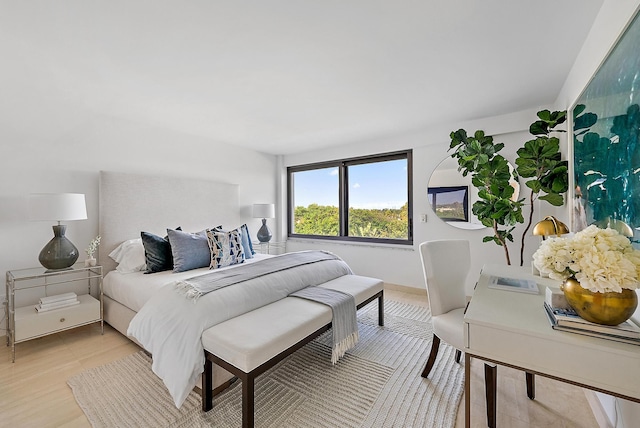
[
  {"x": 170, "y": 325},
  {"x": 134, "y": 289}
]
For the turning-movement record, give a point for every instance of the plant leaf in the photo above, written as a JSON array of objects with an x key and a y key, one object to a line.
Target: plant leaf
[{"x": 553, "y": 198}]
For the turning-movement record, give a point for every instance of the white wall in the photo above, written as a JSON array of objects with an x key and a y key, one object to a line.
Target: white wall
[
  {"x": 401, "y": 264},
  {"x": 607, "y": 28},
  {"x": 68, "y": 159}
]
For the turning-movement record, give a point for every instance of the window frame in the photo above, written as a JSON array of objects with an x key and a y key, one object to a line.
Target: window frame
[{"x": 343, "y": 196}]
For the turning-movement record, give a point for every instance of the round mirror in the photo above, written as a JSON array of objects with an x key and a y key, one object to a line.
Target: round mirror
[{"x": 452, "y": 196}]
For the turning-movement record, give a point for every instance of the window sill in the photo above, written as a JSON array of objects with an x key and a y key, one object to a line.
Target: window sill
[{"x": 327, "y": 242}]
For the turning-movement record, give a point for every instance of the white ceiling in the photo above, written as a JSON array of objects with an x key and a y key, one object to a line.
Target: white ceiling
[{"x": 286, "y": 76}]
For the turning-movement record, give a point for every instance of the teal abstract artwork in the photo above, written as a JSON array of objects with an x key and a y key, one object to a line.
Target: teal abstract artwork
[{"x": 606, "y": 145}]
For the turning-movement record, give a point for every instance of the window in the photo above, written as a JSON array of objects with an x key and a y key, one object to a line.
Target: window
[{"x": 362, "y": 199}]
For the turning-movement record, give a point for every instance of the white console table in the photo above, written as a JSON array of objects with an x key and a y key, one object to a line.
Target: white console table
[{"x": 511, "y": 329}]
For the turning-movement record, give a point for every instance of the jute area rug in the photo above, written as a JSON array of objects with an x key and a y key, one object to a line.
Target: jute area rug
[{"x": 377, "y": 384}]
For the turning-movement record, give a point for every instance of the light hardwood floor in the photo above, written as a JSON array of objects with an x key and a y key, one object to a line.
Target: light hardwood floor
[{"x": 34, "y": 392}]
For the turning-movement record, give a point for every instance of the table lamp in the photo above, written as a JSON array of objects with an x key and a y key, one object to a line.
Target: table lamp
[
  {"x": 550, "y": 226},
  {"x": 264, "y": 211},
  {"x": 59, "y": 253}
]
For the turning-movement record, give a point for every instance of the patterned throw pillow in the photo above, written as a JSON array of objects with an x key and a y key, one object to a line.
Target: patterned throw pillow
[
  {"x": 226, "y": 248},
  {"x": 247, "y": 246}
]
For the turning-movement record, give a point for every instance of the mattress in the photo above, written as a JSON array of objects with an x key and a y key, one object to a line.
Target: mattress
[{"x": 133, "y": 290}]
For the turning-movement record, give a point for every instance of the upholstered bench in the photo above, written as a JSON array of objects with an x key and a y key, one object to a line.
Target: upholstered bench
[{"x": 251, "y": 343}]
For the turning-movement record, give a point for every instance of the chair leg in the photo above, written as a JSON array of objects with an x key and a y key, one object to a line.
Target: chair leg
[
  {"x": 458, "y": 355},
  {"x": 490, "y": 380},
  {"x": 435, "y": 344},
  {"x": 531, "y": 385}
]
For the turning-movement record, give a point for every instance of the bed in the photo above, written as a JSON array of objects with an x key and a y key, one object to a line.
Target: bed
[
  {"x": 131, "y": 203},
  {"x": 147, "y": 306}
]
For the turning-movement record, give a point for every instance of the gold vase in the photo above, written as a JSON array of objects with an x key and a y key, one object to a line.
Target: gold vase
[{"x": 608, "y": 308}]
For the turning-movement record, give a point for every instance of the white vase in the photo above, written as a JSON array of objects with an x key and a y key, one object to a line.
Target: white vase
[{"x": 90, "y": 262}]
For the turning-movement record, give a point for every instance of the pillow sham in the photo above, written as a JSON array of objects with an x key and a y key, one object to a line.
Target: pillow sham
[
  {"x": 225, "y": 247},
  {"x": 130, "y": 256},
  {"x": 157, "y": 252},
  {"x": 189, "y": 250}
]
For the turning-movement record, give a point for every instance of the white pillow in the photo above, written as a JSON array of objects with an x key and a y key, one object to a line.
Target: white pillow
[{"x": 130, "y": 256}]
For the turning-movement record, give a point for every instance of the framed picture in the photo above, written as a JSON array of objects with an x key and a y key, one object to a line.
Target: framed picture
[
  {"x": 606, "y": 144},
  {"x": 450, "y": 203}
]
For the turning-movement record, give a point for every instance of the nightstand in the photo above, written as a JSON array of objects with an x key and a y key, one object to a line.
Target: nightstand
[
  {"x": 271, "y": 247},
  {"x": 25, "y": 323}
]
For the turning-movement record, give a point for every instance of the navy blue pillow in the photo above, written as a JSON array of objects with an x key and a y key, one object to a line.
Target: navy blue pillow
[{"x": 157, "y": 252}]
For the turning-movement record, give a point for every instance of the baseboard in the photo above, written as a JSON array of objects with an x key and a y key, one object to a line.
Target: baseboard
[
  {"x": 598, "y": 411},
  {"x": 405, "y": 289}
]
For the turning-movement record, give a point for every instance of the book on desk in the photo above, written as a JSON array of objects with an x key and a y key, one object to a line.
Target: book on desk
[
  {"x": 563, "y": 319},
  {"x": 513, "y": 284}
]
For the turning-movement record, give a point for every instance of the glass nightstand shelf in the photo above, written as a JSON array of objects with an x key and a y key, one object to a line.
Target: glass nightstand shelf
[{"x": 271, "y": 247}]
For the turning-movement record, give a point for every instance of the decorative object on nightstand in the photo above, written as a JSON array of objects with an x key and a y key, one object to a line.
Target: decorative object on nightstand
[
  {"x": 59, "y": 253},
  {"x": 264, "y": 211},
  {"x": 93, "y": 246}
]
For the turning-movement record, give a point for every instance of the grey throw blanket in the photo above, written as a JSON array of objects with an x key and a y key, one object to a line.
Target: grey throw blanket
[
  {"x": 200, "y": 285},
  {"x": 344, "y": 324}
]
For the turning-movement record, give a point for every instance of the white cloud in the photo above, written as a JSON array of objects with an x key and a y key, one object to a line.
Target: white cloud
[
  {"x": 356, "y": 186},
  {"x": 334, "y": 171}
]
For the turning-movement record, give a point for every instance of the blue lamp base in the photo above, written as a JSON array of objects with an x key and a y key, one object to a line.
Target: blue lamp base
[{"x": 264, "y": 234}]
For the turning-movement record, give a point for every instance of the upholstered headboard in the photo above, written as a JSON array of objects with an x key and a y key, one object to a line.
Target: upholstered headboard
[{"x": 131, "y": 203}]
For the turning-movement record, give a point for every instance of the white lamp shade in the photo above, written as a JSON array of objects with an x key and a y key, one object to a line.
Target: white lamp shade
[
  {"x": 57, "y": 207},
  {"x": 264, "y": 210}
]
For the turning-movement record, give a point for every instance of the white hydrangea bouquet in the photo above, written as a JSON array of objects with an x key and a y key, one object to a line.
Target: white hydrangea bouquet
[{"x": 602, "y": 260}]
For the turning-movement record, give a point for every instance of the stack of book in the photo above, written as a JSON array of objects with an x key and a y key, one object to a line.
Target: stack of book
[
  {"x": 568, "y": 320},
  {"x": 50, "y": 303}
]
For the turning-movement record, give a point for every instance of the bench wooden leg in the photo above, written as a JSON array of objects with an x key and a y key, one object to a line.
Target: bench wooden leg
[
  {"x": 207, "y": 385},
  {"x": 381, "y": 310},
  {"x": 248, "y": 384}
]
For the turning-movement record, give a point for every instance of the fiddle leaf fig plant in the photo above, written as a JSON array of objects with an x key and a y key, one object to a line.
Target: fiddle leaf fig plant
[
  {"x": 540, "y": 162},
  {"x": 478, "y": 156}
]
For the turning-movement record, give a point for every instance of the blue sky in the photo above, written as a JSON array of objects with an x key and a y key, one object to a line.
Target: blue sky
[
  {"x": 374, "y": 185},
  {"x": 445, "y": 198}
]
